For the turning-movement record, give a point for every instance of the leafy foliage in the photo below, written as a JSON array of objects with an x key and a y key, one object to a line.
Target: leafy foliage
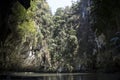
[
  {"x": 40, "y": 41},
  {"x": 105, "y": 16}
]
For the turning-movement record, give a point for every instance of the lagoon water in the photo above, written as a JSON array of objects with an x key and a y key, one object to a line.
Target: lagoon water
[{"x": 59, "y": 76}]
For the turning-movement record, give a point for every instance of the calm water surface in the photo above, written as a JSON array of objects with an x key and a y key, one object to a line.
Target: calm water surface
[{"x": 58, "y": 76}]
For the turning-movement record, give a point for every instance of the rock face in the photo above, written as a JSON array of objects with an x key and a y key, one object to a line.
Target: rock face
[
  {"x": 34, "y": 54},
  {"x": 25, "y": 3},
  {"x": 7, "y": 32},
  {"x": 106, "y": 25},
  {"x": 30, "y": 39},
  {"x": 19, "y": 38},
  {"x": 86, "y": 36},
  {"x": 5, "y": 7}
]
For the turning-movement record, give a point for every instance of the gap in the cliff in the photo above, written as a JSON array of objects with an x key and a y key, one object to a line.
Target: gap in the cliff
[{"x": 54, "y": 4}]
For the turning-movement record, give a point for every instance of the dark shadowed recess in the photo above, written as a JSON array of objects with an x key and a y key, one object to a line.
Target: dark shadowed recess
[{"x": 5, "y": 7}]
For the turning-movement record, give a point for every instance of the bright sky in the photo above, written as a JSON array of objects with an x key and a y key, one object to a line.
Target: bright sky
[{"x": 54, "y": 4}]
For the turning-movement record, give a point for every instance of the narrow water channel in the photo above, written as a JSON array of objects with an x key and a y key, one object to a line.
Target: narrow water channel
[{"x": 59, "y": 76}]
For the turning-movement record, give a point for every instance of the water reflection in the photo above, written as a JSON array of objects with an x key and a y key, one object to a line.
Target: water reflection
[
  {"x": 62, "y": 77},
  {"x": 70, "y": 77}
]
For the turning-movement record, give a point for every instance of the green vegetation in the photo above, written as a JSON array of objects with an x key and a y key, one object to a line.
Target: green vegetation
[
  {"x": 81, "y": 37},
  {"x": 106, "y": 17}
]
